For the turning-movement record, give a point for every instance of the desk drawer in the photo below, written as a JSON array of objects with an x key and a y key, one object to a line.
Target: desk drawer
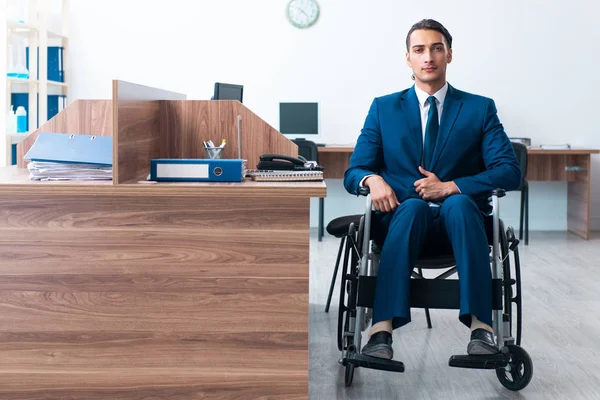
[{"x": 558, "y": 167}]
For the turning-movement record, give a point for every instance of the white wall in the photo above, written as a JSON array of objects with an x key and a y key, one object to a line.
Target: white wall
[{"x": 536, "y": 58}]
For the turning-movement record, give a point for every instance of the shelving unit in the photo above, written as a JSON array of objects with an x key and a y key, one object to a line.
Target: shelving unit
[{"x": 39, "y": 31}]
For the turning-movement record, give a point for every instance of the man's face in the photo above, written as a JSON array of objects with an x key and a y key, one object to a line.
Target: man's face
[{"x": 428, "y": 54}]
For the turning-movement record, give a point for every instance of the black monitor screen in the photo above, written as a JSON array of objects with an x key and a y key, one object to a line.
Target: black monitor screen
[
  {"x": 299, "y": 118},
  {"x": 228, "y": 91}
]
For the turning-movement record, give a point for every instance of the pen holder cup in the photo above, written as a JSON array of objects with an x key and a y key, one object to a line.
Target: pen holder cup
[{"x": 213, "y": 152}]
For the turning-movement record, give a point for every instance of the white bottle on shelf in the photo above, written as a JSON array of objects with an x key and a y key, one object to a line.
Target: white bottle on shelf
[
  {"x": 11, "y": 121},
  {"x": 19, "y": 57},
  {"x": 21, "y": 114},
  {"x": 11, "y": 72}
]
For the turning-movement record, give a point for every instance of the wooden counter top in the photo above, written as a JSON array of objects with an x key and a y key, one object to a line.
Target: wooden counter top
[{"x": 16, "y": 180}]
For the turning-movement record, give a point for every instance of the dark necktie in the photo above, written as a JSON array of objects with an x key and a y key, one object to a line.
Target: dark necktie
[{"x": 431, "y": 132}]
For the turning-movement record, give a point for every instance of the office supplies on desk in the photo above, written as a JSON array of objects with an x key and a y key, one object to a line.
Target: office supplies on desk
[
  {"x": 197, "y": 170},
  {"x": 285, "y": 163},
  {"x": 565, "y": 146},
  {"x": 212, "y": 151},
  {"x": 63, "y": 156},
  {"x": 70, "y": 148},
  {"x": 284, "y": 176}
]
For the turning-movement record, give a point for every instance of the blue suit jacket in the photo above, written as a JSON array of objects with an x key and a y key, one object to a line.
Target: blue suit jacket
[{"x": 472, "y": 148}]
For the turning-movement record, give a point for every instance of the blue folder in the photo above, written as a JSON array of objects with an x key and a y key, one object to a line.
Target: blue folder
[
  {"x": 197, "y": 170},
  {"x": 71, "y": 148}
]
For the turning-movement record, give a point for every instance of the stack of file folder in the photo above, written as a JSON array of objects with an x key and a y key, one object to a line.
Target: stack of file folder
[{"x": 63, "y": 156}]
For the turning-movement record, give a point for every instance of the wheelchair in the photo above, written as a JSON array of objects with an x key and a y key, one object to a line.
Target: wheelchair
[{"x": 513, "y": 366}]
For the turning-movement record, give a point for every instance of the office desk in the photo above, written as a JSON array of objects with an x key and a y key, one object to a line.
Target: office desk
[
  {"x": 145, "y": 290},
  {"x": 572, "y": 166}
]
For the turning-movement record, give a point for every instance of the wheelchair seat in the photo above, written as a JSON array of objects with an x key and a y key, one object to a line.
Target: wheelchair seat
[{"x": 512, "y": 364}]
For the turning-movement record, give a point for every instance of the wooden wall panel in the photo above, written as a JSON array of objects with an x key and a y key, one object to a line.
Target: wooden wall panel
[
  {"x": 86, "y": 117},
  {"x": 158, "y": 296},
  {"x": 138, "y": 129},
  {"x": 188, "y": 123}
]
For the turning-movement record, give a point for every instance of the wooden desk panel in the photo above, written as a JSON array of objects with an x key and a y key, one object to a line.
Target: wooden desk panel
[
  {"x": 109, "y": 294},
  {"x": 572, "y": 166}
]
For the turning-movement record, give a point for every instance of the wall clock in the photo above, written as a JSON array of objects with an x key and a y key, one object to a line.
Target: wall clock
[{"x": 303, "y": 13}]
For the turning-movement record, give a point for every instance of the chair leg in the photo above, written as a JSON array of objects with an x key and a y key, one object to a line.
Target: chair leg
[
  {"x": 527, "y": 215},
  {"x": 335, "y": 270},
  {"x": 321, "y": 217},
  {"x": 427, "y": 316},
  {"x": 522, "y": 214}
]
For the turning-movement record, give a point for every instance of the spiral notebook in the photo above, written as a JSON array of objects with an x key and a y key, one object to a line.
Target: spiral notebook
[{"x": 284, "y": 176}]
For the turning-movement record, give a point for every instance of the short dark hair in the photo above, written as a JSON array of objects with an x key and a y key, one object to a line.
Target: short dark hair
[{"x": 430, "y": 24}]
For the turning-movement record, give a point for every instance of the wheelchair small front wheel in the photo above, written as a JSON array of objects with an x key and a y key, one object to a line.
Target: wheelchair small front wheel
[
  {"x": 349, "y": 374},
  {"x": 519, "y": 371}
]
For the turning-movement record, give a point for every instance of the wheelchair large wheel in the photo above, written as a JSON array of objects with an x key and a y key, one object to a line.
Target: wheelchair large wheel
[
  {"x": 520, "y": 369},
  {"x": 510, "y": 295},
  {"x": 349, "y": 374}
]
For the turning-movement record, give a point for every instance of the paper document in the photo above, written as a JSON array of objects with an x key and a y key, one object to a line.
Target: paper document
[{"x": 53, "y": 171}]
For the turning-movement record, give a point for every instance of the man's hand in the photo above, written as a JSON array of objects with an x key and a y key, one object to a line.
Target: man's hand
[
  {"x": 383, "y": 197},
  {"x": 431, "y": 188}
]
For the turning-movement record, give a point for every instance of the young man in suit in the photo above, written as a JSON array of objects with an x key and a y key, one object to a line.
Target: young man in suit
[{"x": 430, "y": 155}]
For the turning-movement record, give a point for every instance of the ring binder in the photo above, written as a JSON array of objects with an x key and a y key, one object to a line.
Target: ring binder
[{"x": 71, "y": 148}]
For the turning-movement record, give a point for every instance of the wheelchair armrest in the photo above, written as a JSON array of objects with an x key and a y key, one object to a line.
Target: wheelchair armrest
[
  {"x": 499, "y": 192},
  {"x": 363, "y": 191}
]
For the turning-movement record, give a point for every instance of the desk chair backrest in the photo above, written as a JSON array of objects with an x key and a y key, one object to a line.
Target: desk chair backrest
[
  {"x": 521, "y": 153},
  {"x": 307, "y": 149}
]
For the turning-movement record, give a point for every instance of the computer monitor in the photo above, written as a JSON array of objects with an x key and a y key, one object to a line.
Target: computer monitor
[
  {"x": 228, "y": 91},
  {"x": 299, "y": 120}
]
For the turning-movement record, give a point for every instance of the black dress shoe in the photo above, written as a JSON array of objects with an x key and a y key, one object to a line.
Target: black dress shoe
[
  {"x": 379, "y": 345},
  {"x": 482, "y": 343}
]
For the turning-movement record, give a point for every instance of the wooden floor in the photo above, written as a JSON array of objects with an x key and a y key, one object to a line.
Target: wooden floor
[{"x": 561, "y": 289}]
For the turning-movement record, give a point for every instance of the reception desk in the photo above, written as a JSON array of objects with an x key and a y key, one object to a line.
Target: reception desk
[
  {"x": 136, "y": 290},
  {"x": 572, "y": 166}
]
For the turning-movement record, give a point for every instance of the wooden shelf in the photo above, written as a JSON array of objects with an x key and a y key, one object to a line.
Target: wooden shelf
[
  {"x": 17, "y": 137},
  {"x": 21, "y": 80},
  {"x": 37, "y": 81},
  {"x": 54, "y": 83},
  {"x": 24, "y": 29}
]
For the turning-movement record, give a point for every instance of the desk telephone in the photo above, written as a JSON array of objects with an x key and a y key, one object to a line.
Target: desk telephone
[{"x": 277, "y": 162}]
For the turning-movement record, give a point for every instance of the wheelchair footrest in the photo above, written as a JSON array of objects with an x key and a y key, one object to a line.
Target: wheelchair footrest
[
  {"x": 493, "y": 361},
  {"x": 359, "y": 360}
]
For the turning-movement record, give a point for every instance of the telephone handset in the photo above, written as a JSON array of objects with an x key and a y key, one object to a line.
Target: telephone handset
[{"x": 278, "y": 162}]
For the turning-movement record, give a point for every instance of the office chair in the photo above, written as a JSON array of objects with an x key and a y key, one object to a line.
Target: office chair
[
  {"x": 521, "y": 153},
  {"x": 308, "y": 149}
]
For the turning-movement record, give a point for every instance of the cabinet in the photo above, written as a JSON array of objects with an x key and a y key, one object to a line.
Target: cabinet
[{"x": 42, "y": 25}]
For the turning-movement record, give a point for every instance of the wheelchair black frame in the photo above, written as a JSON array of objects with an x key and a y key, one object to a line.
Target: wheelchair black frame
[{"x": 358, "y": 281}]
